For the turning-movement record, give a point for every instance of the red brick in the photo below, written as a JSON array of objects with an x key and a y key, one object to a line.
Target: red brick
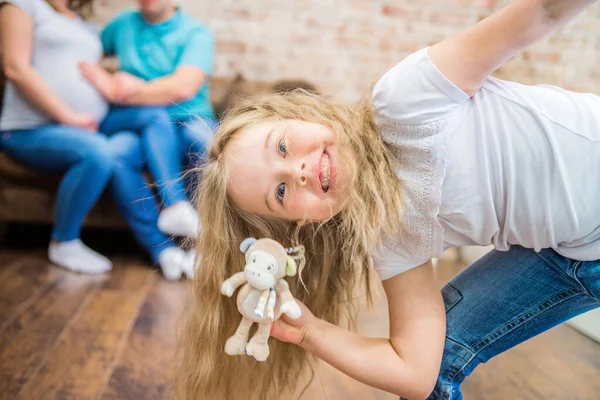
[
  {"x": 401, "y": 12},
  {"x": 230, "y": 46},
  {"x": 461, "y": 18},
  {"x": 341, "y": 44},
  {"x": 353, "y": 42}
]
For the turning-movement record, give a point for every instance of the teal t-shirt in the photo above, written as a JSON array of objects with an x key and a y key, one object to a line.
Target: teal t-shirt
[{"x": 151, "y": 51}]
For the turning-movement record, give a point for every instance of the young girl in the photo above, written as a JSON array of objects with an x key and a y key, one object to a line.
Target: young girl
[{"x": 442, "y": 155}]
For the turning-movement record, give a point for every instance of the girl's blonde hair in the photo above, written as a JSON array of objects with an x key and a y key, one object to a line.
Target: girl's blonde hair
[{"x": 337, "y": 251}]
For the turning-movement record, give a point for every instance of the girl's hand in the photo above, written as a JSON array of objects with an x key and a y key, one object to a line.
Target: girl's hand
[{"x": 297, "y": 331}]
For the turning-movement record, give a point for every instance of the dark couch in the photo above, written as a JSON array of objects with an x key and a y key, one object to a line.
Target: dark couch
[{"x": 28, "y": 196}]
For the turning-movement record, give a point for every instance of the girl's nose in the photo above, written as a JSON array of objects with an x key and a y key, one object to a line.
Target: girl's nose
[{"x": 300, "y": 177}]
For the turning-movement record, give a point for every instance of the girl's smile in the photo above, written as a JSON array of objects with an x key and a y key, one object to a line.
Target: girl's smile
[{"x": 287, "y": 169}]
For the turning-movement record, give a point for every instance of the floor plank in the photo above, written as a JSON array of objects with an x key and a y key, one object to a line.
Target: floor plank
[
  {"x": 559, "y": 364},
  {"x": 84, "y": 357},
  {"x": 26, "y": 281},
  {"x": 25, "y": 342},
  {"x": 143, "y": 369},
  {"x": 70, "y": 336},
  {"x": 9, "y": 260}
]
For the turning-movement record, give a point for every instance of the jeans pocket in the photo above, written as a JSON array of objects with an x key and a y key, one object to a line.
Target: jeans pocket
[{"x": 451, "y": 296}]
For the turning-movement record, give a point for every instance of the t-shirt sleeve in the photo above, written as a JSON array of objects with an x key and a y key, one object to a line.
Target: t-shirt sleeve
[
  {"x": 199, "y": 51},
  {"x": 389, "y": 263},
  {"x": 110, "y": 33},
  {"x": 414, "y": 91},
  {"x": 29, "y": 6}
]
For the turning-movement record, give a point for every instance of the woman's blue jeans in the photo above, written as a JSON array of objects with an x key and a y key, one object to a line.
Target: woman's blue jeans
[
  {"x": 85, "y": 159},
  {"x": 90, "y": 162},
  {"x": 169, "y": 147},
  {"x": 504, "y": 299}
]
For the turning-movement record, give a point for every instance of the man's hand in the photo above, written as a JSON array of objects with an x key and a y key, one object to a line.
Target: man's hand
[{"x": 127, "y": 85}]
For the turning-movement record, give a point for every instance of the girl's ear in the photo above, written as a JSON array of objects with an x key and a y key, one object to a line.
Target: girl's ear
[
  {"x": 290, "y": 266},
  {"x": 246, "y": 244}
]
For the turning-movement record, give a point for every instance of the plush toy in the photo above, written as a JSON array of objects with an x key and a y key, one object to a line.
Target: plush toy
[{"x": 264, "y": 296}]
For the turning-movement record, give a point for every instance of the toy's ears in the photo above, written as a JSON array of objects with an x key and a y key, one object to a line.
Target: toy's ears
[
  {"x": 290, "y": 266},
  {"x": 246, "y": 244}
]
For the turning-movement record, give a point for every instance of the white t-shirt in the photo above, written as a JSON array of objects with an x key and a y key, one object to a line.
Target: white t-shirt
[
  {"x": 58, "y": 45},
  {"x": 514, "y": 164}
]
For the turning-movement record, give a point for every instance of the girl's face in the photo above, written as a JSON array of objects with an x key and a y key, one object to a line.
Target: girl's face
[{"x": 287, "y": 169}]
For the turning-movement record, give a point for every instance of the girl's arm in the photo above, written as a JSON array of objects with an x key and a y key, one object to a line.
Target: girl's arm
[
  {"x": 16, "y": 35},
  {"x": 407, "y": 364},
  {"x": 468, "y": 58}
]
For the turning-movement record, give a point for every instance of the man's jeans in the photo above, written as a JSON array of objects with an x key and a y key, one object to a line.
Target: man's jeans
[{"x": 169, "y": 148}]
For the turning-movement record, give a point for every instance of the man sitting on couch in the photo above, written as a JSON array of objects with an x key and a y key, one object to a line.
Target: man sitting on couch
[{"x": 165, "y": 59}]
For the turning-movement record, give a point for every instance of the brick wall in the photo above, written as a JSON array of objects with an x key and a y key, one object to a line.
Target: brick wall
[{"x": 343, "y": 45}]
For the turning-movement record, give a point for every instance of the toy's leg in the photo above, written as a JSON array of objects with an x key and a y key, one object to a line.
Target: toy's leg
[
  {"x": 258, "y": 347},
  {"x": 237, "y": 343}
]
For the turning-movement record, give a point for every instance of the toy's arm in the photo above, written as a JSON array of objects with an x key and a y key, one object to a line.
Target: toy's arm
[
  {"x": 235, "y": 281},
  {"x": 288, "y": 304}
]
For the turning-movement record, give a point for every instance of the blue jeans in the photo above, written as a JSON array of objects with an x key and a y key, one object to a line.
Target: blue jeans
[
  {"x": 504, "y": 299},
  {"x": 169, "y": 147},
  {"x": 133, "y": 195},
  {"x": 84, "y": 158}
]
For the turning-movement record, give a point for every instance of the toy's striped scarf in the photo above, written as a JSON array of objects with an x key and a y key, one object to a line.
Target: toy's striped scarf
[{"x": 266, "y": 300}]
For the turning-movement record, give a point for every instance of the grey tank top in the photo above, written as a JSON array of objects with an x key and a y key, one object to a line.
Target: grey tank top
[{"x": 59, "y": 44}]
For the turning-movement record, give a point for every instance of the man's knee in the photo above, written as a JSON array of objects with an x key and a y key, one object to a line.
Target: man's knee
[
  {"x": 197, "y": 135},
  {"x": 153, "y": 114},
  {"x": 126, "y": 149}
]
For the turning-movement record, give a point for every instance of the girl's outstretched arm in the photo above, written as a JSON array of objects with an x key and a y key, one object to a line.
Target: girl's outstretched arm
[
  {"x": 468, "y": 58},
  {"x": 406, "y": 364}
]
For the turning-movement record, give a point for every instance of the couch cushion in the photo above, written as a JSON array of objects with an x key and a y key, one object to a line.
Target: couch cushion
[{"x": 13, "y": 170}]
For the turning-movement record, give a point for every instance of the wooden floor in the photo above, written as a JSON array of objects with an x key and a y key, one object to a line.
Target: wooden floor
[{"x": 69, "y": 336}]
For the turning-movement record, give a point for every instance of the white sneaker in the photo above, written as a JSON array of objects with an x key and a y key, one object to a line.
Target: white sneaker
[
  {"x": 180, "y": 219},
  {"x": 77, "y": 257},
  {"x": 189, "y": 266},
  {"x": 174, "y": 262}
]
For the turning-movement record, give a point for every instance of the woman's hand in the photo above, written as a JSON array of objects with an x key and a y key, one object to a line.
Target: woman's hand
[
  {"x": 113, "y": 87},
  {"x": 100, "y": 79},
  {"x": 297, "y": 331},
  {"x": 81, "y": 120}
]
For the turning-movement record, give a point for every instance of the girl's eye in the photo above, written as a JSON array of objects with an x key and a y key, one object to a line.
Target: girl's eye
[
  {"x": 280, "y": 192},
  {"x": 281, "y": 148}
]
